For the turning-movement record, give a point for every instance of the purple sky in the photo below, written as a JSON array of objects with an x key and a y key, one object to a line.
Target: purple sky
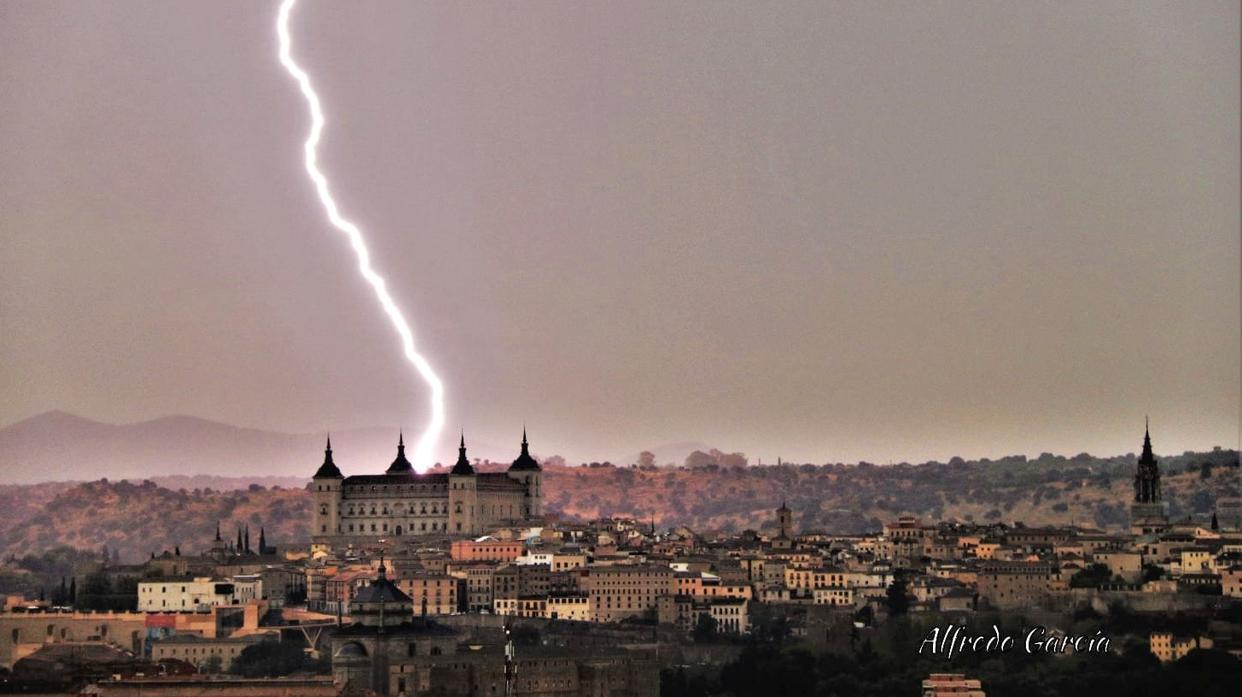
[{"x": 825, "y": 231}]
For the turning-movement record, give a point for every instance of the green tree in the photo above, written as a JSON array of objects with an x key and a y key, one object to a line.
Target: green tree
[
  {"x": 271, "y": 659},
  {"x": 896, "y": 599},
  {"x": 705, "y": 627},
  {"x": 211, "y": 665}
]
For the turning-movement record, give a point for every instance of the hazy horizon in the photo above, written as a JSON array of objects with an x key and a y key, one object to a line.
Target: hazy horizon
[
  {"x": 372, "y": 454},
  {"x": 824, "y": 232}
]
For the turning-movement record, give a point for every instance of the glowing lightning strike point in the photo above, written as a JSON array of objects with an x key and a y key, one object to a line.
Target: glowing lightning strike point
[{"x": 426, "y": 442}]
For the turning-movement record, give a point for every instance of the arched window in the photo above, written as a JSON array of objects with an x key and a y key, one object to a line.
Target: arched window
[{"x": 323, "y": 509}]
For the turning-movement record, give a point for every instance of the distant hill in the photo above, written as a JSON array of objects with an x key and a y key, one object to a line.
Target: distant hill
[
  {"x": 57, "y": 446},
  {"x": 137, "y": 518}
]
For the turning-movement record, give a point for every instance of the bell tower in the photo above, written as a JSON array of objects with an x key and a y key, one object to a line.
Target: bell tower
[
  {"x": 526, "y": 470},
  {"x": 326, "y": 485},
  {"x": 463, "y": 495},
  {"x": 1148, "y": 512}
]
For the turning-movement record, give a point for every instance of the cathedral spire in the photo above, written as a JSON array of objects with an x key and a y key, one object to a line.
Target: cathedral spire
[
  {"x": 1147, "y": 474},
  {"x": 1147, "y": 454}
]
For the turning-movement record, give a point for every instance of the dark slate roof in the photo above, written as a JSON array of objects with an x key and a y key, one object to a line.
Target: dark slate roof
[
  {"x": 328, "y": 470},
  {"x": 400, "y": 465},
  {"x": 407, "y": 478},
  {"x": 381, "y": 590},
  {"x": 498, "y": 480},
  {"x": 462, "y": 468},
  {"x": 524, "y": 462}
]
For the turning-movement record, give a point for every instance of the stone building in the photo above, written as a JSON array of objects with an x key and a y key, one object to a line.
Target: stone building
[
  {"x": 391, "y": 652},
  {"x": 401, "y": 502}
]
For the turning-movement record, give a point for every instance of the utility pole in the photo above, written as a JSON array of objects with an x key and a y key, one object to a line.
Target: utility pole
[{"x": 510, "y": 666}]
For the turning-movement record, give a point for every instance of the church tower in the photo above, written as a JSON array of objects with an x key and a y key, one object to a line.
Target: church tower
[
  {"x": 1147, "y": 513},
  {"x": 784, "y": 521},
  {"x": 463, "y": 495},
  {"x": 326, "y": 485},
  {"x": 526, "y": 470}
]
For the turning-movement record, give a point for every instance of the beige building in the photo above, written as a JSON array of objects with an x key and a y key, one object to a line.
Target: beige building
[
  {"x": 621, "y": 591},
  {"x": 1008, "y": 585},
  {"x": 559, "y": 605},
  {"x": 21, "y": 634},
  {"x": 841, "y": 597},
  {"x": 432, "y": 594},
  {"x": 197, "y": 650},
  {"x": 197, "y": 594},
  {"x": 1167, "y": 647},
  {"x": 1126, "y": 564},
  {"x": 1231, "y": 582},
  {"x": 732, "y": 615},
  {"x": 401, "y": 502}
]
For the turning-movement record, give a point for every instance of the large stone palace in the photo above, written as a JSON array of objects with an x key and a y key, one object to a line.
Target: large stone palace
[{"x": 401, "y": 502}]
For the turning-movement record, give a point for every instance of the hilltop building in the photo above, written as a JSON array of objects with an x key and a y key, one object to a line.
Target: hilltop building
[
  {"x": 1148, "y": 513},
  {"x": 401, "y": 502}
]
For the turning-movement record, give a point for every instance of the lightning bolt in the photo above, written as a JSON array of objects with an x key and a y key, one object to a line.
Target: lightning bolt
[{"x": 426, "y": 442}]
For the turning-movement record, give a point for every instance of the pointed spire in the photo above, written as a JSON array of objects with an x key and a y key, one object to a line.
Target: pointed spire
[
  {"x": 463, "y": 466},
  {"x": 328, "y": 470},
  {"x": 383, "y": 572},
  {"x": 1147, "y": 454},
  {"x": 400, "y": 465},
  {"x": 218, "y": 531},
  {"x": 262, "y": 540},
  {"x": 524, "y": 460}
]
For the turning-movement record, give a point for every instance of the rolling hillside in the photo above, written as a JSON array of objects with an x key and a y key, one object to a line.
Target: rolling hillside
[{"x": 139, "y": 518}]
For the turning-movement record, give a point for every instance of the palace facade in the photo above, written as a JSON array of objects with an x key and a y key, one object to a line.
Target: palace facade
[{"x": 401, "y": 502}]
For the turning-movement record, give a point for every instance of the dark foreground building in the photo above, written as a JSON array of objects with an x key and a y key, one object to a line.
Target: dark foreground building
[{"x": 391, "y": 652}]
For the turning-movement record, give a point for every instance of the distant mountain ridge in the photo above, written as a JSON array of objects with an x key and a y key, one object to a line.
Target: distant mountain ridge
[{"x": 59, "y": 446}]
